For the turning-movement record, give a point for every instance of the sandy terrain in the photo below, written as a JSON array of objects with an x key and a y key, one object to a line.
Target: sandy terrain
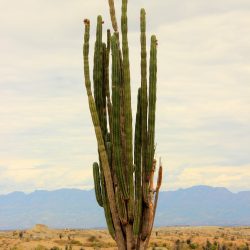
[{"x": 43, "y": 238}]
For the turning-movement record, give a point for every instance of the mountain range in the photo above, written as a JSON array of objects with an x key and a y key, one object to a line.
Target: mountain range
[{"x": 74, "y": 208}]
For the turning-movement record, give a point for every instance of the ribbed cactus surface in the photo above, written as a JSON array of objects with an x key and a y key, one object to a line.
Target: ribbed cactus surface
[{"x": 124, "y": 176}]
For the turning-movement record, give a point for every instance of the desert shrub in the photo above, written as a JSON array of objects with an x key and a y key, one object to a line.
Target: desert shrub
[
  {"x": 41, "y": 247},
  {"x": 15, "y": 233},
  {"x": 76, "y": 242},
  {"x": 20, "y": 234},
  {"x": 210, "y": 246},
  {"x": 244, "y": 247},
  {"x": 224, "y": 247},
  {"x": 92, "y": 238},
  {"x": 193, "y": 246},
  {"x": 177, "y": 245},
  {"x": 155, "y": 244},
  {"x": 55, "y": 248}
]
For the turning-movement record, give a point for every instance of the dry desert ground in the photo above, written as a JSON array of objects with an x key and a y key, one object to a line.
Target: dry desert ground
[{"x": 206, "y": 238}]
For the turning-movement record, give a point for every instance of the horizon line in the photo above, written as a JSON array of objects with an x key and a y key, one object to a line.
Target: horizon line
[{"x": 92, "y": 188}]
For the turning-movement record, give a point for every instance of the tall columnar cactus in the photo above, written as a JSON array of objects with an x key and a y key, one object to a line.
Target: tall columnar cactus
[{"x": 124, "y": 176}]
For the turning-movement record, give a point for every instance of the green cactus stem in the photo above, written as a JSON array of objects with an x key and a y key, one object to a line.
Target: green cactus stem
[
  {"x": 116, "y": 98},
  {"x": 127, "y": 108},
  {"x": 106, "y": 205},
  {"x": 109, "y": 104},
  {"x": 97, "y": 182},
  {"x": 112, "y": 15},
  {"x": 98, "y": 70},
  {"x": 144, "y": 106},
  {"x": 152, "y": 103},
  {"x": 137, "y": 164},
  {"x": 144, "y": 101}
]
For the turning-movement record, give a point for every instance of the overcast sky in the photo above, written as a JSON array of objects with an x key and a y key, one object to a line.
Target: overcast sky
[{"x": 203, "y": 111}]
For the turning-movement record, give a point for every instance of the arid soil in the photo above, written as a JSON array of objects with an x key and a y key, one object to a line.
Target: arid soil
[{"x": 43, "y": 238}]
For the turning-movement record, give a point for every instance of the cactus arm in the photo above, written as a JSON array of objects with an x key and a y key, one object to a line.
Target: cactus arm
[
  {"x": 127, "y": 108},
  {"x": 105, "y": 85},
  {"x": 100, "y": 76},
  {"x": 108, "y": 44},
  {"x": 152, "y": 102},
  {"x": 137, "y": 163},
  {"x": 86, "y": 59},
  {"x": 112, "y": 15},
  {"x": 106, "y": 205},
  {"x": 123, "y": 138},
  {"x": 109, "y": 104},
  {"x": 101, "y": 196},
  {"x": 98, "y": 192},
  {"x": 122, "y": 120},
  {"x": 101, "y": 148},
  {"x": 98, "y": 68},
  {"x": 144, "y": 104},
  {"x": 148, "y": 212},
  {"x": 158, "y": 186},
  {"x": 159, "y": 181},
  {"x": 143, "y": 86},
  {"x": 116, "y": 87}
]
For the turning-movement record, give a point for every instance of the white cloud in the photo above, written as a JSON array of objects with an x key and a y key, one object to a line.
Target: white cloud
[
  {"x": 228, "y": 176},
  {"x": 203, "y": 104}
]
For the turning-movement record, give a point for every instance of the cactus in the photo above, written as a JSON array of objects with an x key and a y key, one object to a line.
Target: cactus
[
  {"x": 124, "y": 176},
  {"x": 97, "y": 182}
]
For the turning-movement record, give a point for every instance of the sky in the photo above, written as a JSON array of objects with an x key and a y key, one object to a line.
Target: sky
[{"x": 203, "y": 99}]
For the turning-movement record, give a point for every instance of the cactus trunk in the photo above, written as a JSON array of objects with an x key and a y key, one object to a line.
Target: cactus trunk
[{"x": 124, "y": 176}]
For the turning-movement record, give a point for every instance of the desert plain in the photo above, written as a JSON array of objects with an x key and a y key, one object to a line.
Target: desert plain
[{"x": 41, "y": 237}]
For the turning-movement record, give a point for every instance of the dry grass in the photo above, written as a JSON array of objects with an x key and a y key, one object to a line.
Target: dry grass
[{"x": 176, "y": 238}]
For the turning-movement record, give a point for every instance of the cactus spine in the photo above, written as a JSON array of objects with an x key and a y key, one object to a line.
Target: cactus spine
[{"x": 124, "y": 176}]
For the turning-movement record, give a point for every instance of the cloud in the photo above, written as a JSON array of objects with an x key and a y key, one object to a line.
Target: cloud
[
  {"x": 203, "y": 114},
  {"x": 233, "y": 178},
  {"x": 33, "y": 174}
]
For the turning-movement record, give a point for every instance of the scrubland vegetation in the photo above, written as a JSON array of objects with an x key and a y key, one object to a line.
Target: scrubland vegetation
[{"x": 176, "y": 238}]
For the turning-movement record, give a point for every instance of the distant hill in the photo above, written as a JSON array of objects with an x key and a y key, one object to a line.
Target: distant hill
[{"x": 73, "y": 208}]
